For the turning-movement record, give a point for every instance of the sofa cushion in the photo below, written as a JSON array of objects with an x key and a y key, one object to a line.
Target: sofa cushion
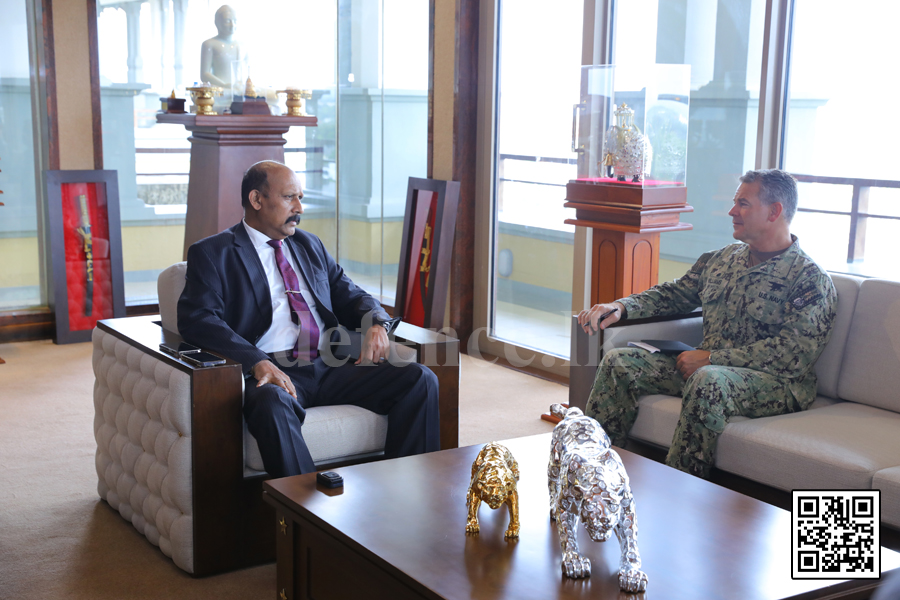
[
  {"x": 169, "y": 286},
  {"x": 839, "y": 446},
  {"x": 331, "y": 432},
  {"x": 888, "y": 481},
  {"x": 870, "y": 373},
  {"x": 658, "y": 417},
  {"x": 828, "y": 367}
]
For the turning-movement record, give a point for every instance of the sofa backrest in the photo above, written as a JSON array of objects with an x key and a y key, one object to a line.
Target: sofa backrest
[
  {"x": 828, "y": 367},
  {"x": 870, "y": 373},
  {"x": 169, "y": 286}
]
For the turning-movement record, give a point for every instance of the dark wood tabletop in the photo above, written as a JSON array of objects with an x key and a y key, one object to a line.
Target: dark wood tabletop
[{"x": 697, "y": 540}]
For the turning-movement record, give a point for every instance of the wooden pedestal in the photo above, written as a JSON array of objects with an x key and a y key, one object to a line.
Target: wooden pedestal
[
  {"x": 626, "y": 221},
  {"x": 623, "y": 264},
  {"x": 222, "y": 148}
]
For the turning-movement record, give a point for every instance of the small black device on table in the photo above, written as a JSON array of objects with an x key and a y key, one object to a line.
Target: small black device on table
[
  {"x": 178, "y": 350},
  {"x": 329, "y": 479}
]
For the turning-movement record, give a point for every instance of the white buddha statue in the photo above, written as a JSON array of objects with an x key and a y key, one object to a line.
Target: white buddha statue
[{"x": 218, "y": 53}]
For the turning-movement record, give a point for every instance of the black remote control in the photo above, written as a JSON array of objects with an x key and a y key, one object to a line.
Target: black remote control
[{"x": 329, "y": 479}]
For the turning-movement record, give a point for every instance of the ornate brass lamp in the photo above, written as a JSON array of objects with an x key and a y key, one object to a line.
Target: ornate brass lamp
[
  {"x": 295, "y": 104},
  {"x": 203, "y": 97}
]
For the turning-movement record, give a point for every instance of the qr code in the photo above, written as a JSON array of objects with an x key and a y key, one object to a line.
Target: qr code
[{"x": 836, "y": 534}]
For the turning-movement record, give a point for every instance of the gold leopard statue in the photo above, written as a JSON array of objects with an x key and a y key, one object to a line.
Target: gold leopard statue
[{"x": 494, "y": 476}]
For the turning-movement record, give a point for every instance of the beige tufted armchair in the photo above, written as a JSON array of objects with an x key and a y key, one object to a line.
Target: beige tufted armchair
[{"x": 174, "y": 456}]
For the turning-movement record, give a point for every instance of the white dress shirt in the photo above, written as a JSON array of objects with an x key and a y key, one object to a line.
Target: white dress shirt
[{"x": 283, "y": 333}]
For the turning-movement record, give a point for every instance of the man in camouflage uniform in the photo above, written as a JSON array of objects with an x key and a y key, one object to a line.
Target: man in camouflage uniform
[{"x": 767, "y": 315}]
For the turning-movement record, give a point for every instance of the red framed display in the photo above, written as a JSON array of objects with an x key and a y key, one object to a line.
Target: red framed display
[
  {"x": 85, "y": 238},
  {"x": 424, "y": 274}
]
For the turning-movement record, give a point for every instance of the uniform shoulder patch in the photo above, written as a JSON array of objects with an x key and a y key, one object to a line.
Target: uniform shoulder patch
[{"x": 806, "y": 294}]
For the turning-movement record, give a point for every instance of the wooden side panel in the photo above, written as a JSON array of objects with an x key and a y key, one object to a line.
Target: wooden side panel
[
  {"x": 448, "y": 378},
  {"x": 585, "y": 357},
  {"x": 287, "y": 536},
  {"x": 440, "y": 353},
  {"x": 465, "y": 115},
  {"x": 217, "y": 468},
  {"x": 324, "y": 565}
]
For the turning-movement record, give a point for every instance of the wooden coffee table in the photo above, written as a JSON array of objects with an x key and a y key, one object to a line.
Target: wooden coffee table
[{"x": 397, "y": 530}]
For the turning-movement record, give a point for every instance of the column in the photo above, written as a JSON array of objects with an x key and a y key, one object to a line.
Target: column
[{"x": 135, "y": 61}]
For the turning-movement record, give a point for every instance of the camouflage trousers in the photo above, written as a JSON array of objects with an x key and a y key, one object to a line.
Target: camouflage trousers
[{"x": 710, "y": 396}]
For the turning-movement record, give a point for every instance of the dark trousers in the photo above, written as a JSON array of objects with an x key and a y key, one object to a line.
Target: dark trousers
[{"x": 408, "y": 395}]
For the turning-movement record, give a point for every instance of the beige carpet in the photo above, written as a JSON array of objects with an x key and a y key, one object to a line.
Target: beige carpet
[{"x": 59, "y": 540}]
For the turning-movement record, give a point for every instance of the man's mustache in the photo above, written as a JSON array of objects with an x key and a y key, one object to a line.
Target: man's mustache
[{"x": 295, "y": 219}]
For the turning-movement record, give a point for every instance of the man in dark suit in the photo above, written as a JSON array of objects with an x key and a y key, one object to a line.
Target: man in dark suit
[{"x": 267, "y": 295}]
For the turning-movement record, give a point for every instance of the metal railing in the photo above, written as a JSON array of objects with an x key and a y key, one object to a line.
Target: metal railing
[
  {"x": 308, "y": 150},
  {"x": 859, "y": 207},
  {"x": 534, "y": 159}
]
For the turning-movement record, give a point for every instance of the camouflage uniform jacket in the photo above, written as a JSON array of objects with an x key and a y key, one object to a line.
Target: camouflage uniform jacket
[{"x": 775, "y": 317}]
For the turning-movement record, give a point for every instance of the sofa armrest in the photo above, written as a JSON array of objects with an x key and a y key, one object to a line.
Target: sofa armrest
[
  {"x": 588, "y": 350},
  {"x": 440, "y": 353}
]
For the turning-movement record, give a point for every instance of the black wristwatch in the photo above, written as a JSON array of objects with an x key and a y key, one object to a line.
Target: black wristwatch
[{"x": 390, "y": 325}]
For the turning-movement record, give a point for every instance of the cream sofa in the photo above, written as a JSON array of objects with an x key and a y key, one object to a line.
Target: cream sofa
[
  {"x": 848, "y": 439},
  {"x": 174, "y": 456}
]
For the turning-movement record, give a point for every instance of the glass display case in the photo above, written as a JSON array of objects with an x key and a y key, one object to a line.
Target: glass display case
[{"x": 630, "y": 131}]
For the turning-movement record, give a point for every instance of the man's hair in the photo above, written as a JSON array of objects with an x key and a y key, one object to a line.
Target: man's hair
[
  {"x": 775, "y": 185},
  {"x": 256, "y": 178}
]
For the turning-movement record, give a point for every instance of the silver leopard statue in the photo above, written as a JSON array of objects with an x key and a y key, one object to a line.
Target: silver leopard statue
[{"x": 587, "y": 480}]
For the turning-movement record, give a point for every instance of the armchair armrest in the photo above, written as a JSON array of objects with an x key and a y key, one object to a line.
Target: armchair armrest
[
  {"x": 440, "y": 353},
  {"x": 223, "y": 530},
  {"x": 587, "y": 350}
]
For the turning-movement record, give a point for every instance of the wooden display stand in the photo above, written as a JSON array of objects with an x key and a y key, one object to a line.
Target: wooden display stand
[
  {"x": 626, "y": 219},
  {"x": 222, "y": 148}
]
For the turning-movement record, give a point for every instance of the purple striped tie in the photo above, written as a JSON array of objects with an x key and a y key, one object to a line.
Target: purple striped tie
[{"x": 300, "y": 312}]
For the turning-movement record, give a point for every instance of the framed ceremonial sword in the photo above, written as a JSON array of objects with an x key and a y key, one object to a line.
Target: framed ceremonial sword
[{"x": 84, "y": 256}]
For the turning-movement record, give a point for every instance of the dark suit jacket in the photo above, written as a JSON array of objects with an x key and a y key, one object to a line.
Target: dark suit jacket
[{"x": 226, "y": 305}]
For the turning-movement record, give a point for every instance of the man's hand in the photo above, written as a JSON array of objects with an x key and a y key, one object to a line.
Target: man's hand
[
  {"x": 588, "y": 319},
  {"x": 690, "y": 361},
  {"x": 265, "y": 372},
  {"x": 376, "y": 347}
]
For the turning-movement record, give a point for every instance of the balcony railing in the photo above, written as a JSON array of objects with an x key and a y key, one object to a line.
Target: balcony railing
[
  {"x": 859, "y": 208},
  {"x": 308, "y": 150}
]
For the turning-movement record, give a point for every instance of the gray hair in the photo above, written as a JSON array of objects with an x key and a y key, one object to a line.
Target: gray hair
[{"x": 775, "y": 185}]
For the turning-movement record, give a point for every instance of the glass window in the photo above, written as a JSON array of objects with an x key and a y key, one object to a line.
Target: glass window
[
  {"x": 366, "y": 64},
  {"x": 20, "y": 275},
  {"x": 722, "y": 42},
  {"x": 839, "y": 135},
  {"x": 383, "y": 96},
  {"x": 538, "y": 82}
]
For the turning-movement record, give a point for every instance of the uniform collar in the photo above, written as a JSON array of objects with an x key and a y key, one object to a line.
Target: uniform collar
[{"x": 778, "y": 266}]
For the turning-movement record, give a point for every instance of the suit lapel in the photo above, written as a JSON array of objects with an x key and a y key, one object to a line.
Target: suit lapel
[{"x": 250, "y": 258}]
